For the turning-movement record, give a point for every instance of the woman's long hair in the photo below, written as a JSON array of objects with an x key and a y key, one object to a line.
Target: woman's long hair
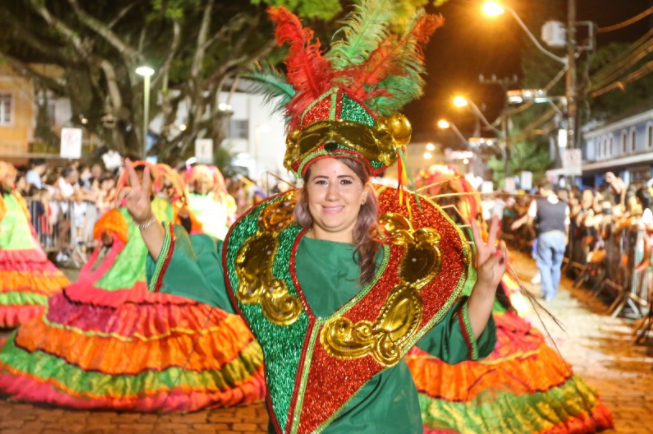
[
  {"x": 365, "y": 234},
  {"x": 644, "y": 197}
]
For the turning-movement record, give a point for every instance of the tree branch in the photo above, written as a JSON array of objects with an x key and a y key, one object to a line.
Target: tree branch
[
  {"x": 174, "y": 46},
  {"x": 120, "y": 15},
  {"x": 102, "y": 30},
  {"x": 40, "y": 8},
  {"x": 27, "y": 71}
]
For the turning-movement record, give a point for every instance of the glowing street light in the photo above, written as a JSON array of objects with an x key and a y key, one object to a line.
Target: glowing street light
[
  {"x": 443, "y": 124},
  {"x": 493, "y": 9},
  {"x": 460, "y": 101},
  {"x": 430, "y": 147},
  {"x": 427, "y": 155},
  {"x": 146, "y": 72}
]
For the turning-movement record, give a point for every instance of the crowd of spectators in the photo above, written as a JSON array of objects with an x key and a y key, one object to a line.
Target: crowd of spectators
[
  {"x": 66, "y": 199},
  {"x": 610, "y": 227}
]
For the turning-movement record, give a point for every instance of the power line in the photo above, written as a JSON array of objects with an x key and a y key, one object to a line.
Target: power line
[
  {"x": 626, "y": 23},
  {"x": 634, "y": 54},
  {"x": 640, "y": 73}
]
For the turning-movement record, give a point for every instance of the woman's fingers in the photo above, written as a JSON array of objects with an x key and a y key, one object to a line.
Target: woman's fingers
[
  {"x": 494, "y": 229},
  {"x": 146, "y": 181},
  {"x": 476, "y": 234},
  {"x": 133, "y": 178}
]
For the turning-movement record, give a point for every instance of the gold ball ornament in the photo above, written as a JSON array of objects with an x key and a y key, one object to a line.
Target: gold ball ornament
[{"x": 399, "y": 127}]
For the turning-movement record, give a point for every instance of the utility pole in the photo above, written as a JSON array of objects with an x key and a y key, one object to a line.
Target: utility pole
[
  {"x": 571, "y": 93},
  {"x": 505, "y": 83}
]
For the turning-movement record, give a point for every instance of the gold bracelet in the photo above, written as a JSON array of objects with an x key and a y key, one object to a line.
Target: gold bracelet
[{"x": 146, "y": 225}]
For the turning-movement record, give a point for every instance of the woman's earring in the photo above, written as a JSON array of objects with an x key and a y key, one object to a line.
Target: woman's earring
[{"x": 362, "y": 203}]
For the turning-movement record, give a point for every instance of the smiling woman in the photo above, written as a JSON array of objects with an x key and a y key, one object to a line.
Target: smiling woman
[{"x": 339, "y": 280}]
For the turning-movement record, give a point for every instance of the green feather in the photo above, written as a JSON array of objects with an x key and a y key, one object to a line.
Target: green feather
[
  {"x": 273, "y": 85},
  {"x": 408, "y": 86},
  {"x": 362, "y": 32}
]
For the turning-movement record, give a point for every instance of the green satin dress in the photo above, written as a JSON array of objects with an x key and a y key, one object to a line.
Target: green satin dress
[{"x": 328, "y": 276}]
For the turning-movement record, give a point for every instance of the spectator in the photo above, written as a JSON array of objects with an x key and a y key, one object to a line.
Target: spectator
[
  {"x": 35, "y": 173},
  {"x": 646, "y": 222},
  {"x": 552, "y": 217},
  {"x": 617, "y": 191}
]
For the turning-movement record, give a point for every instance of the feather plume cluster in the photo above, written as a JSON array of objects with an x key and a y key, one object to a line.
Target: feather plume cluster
[{"x": 374, "y": 65}]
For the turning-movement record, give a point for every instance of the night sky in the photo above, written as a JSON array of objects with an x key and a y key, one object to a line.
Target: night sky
[{"x": 470, "y": 44}]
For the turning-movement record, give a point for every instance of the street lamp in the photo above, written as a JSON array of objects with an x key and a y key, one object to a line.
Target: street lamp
[
  {"x": 146, "y": 72},
  {"x": 493, "y": 9},
  {"x": 460, "y": 101},
  {"x": 443, "y": 124}
]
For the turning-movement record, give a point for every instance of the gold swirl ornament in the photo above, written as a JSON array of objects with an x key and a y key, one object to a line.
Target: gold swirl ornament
[
  {"x": 401, "y": 314},
  {"x": 254, "y": 261},
  {"x": 374, "y": 143}
]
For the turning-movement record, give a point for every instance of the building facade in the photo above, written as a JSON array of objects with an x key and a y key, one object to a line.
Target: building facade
[{"x": 624, "y": 147}]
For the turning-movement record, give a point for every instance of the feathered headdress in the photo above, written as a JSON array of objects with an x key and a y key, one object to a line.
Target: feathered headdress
[{"x": 344, "y": 103}]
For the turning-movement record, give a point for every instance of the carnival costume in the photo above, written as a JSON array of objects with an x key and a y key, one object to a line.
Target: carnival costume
[
  {"x": 105, "y": 342},
  {"x": 27, "y": 277},
  {"x": 334, "y": 348},
  {"x": 216, "y": 210},
  {"x": 524, "y": 386}
]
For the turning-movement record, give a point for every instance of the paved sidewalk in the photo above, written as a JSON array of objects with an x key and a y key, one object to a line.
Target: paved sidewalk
[{"x": 599, "y": 348}]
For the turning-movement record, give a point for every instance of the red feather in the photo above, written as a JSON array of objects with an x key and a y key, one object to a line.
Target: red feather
[
  {"x": 387, "y": 58},
  {"x": 309, "y": 72}
]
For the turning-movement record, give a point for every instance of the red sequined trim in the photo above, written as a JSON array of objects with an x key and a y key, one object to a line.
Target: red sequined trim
[{"x": 166, "y": 262}]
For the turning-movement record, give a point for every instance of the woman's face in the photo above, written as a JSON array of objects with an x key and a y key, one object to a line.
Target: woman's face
[
  {"x": 9, "y": 181},
  {"x": 335, "y": 194},
  {"x": 203, "y": 185}
]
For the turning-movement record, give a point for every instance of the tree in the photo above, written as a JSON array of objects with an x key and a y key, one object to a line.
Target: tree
[{"x": 197, "y": 48}]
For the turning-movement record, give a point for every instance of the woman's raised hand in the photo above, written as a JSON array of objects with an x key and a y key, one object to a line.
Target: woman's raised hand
[
  {"x": 490, "y": 260},
  {"x": 136, "y": 197}
]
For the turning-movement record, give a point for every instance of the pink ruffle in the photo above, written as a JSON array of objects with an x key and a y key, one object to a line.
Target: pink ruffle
[
  {"x": 83, "y": 293},
  {"x": 13, "y": 316},
  {"x": 30, "y": 390}
]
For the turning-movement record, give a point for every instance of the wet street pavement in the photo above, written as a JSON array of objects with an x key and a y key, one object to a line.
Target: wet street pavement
[{"x": 600, "y": 349}]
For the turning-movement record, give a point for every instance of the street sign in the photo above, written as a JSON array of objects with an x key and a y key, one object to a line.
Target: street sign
[
  {"x": 71, "y": 143},
  {"x": 204, "y": 151},
  {"x": 572, "y": 162},
  {"x": 510, "y": 186},
  {"x": 487, "y": 187},
  {"x": 526, "y": 181}
]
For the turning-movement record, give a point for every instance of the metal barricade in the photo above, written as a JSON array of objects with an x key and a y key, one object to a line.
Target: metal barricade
[{"x": 64, "y": 229}]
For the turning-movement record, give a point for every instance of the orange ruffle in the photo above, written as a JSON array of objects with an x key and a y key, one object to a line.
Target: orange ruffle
[
  {"x": 113, "y": 222},
  {"x": 223, "y": 341},
  {"x": 522, "y": 364},
  {"x": 47, "y": 282}
]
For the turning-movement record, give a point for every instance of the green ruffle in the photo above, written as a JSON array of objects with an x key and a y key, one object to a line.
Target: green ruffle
[
  {"x": 45, "y": 366},
  {"x": 22, "y": 298},
  {"x": 494, "y": 411},
  {"x": 15, "y": 231},
  {"x": 129, "y": 266}
]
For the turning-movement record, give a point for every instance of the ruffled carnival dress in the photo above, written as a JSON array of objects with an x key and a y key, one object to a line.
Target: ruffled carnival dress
[
  {"x": 105, "y": 342},
  {"x": 523, "y": 386},
  {"x": 27, "y": 278}
]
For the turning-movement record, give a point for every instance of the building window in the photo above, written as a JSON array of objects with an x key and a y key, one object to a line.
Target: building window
[
  {"x": 6, "y": 102},
  {"x": 601, "y": 150},
  {"x": 239, "y": 129},
  {"x": 649, "y": 135},
  {"x": 611, "y": 146},
  {"x": 633, "y": 140},
  {"x": 624, "y": 142}
]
